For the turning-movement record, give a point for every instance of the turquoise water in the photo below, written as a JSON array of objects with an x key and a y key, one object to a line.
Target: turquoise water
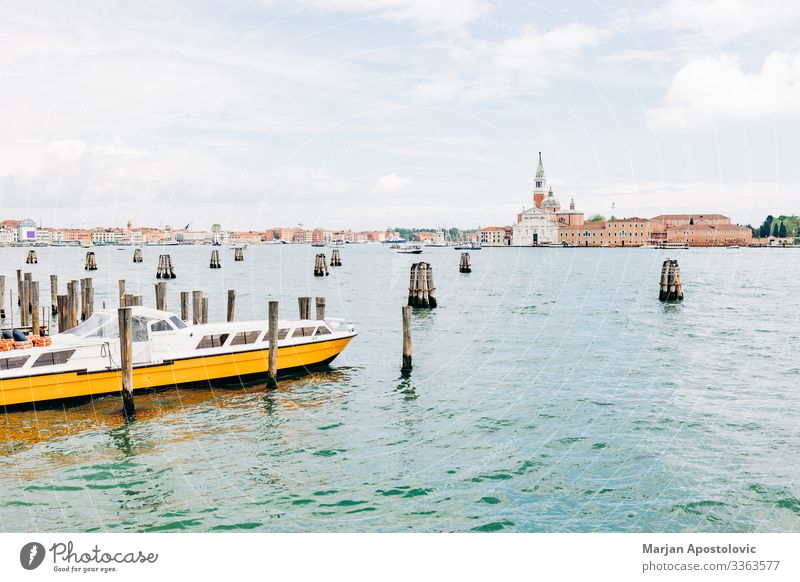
[{"x": 551, "y": 391}]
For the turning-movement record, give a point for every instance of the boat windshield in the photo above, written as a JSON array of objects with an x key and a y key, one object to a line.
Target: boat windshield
[{"x": 102, "y": 325}]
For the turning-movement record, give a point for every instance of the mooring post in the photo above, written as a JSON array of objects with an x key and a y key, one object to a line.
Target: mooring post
[
  {"x": 19, "y": 286},
  {"x": 205, "y": 309},
  {"x": 2, "y": 296},
  {"x": 320, "y": 266},
  {"x": 304, "y": 305},
  {"x": 185, "y": 305},
  {"x": 76, "y": 304},
  {"x": 464, "y": 266},
  {"x": 231, "y": 303},
  {"x": 89, "y": 300},
  {"x": 272, "y": 333},
  {"x": 320, "y": 308},
  {"x": 122, "y": 292},
  {"x": 671, "y": 287},
  {"x": 215, "y": 262},
  {"x": 406, "y": 338},
  {"x": 35, "y": 323},
  {"x": 336, "y": 258},
  {"x": 83, "y": 285},
  {"x": 63, "y": 312},
  {"x": 137, "y": 255},
  {"x": 161, "y": 296},
  {"x": 126, "y": 361},
  {"x": 197, "y": 307},
  {"x": 53, "y": 294},
  {"x": 27, "y": 282}
]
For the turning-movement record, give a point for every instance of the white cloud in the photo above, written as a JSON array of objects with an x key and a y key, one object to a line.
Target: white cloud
[
  {"x": 448, "y": 15},
  {"x": 723, "y": 20},
  {"x": 540, "y": 52},
  {"x": 391, "y": 183},
  {"x": 710, "y": 90}
]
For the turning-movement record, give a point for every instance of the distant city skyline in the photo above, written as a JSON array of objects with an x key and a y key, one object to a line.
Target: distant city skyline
[{"x": 363, "y": 115}]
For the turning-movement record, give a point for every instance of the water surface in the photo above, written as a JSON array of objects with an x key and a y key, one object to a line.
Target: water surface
[{"x": 551, "y": 391}]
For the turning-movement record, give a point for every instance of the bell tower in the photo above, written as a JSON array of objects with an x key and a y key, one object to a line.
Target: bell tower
[{"x": 540, "y": 184}]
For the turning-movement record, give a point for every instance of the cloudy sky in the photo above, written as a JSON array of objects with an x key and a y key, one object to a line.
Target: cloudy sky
[{"x": 369, "y": 113}]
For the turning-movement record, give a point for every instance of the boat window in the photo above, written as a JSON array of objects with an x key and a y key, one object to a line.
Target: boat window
[
  {"x": 102, "y": 325},
  {"x": 213, "y": 341},
  {"x": 53, "y": 358},
  {"x": 282, "y": 333},
  {"x": 303, "y": 332},
  {"x": 323, "y": 330},
  {"x": 13, "y": 363},
  {"x": 161, "y": 325},
  {"x": 177, "y": 322},
  {"x": 245, "y": 337},
  {"x": 139, "y": 331}
]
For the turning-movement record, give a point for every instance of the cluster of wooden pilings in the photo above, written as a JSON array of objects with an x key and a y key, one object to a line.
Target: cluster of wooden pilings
[
  {"x": 165, "y": 269},
  {"x": 238, "y": 254},
  {"x": 336, "y": 258},
  {"x": 671, "y": 288},
  {"x": 137, "y": 256},
  {"x": 421, "y": 290},
  {"x": 464, "y": 265},
  {"x": 320, "y": 266},
  {"x": 91, "y": 262},
  {"x": 215, "y": 262},
  {"x": 31, "y": 259}
]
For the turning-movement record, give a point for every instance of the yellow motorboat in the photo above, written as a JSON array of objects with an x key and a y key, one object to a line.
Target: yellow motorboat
[{"x": 85, "y": 361}]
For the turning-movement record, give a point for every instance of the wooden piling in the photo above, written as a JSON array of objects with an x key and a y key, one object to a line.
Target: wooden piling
[
  {"x": 165, "y": 269},
  {"x": 53, "y": 294},
  {"x": 75, "y": 308},
  {"x": 197, "y": 307},
  {"x": 62, "y": 301},
  {"x": 126, "y": 361},
  {"x": 35, "y": 322},
  {"x": 421, "y": 291},
  {"x": 231, "y": 303},
  {"x": 89, "y": 301},
  {"x": 2, "y": 296},
  {"x": 272, "y": 334},
  {"x": 320, "y": 303},
  {"x": 320, "y": 266},
  {"x": 24, "y": 302},
  {"x": 122, "y": 292},
  {"x": 671, "y": 287},
  {"x": 32, "y": 258},
  {"x": 161, "y": 296},
  {"x": 238, "y": 254},
  {"x": 205, "y": 309},
  {"x": 464, "y": 266},
  {"x": 215, "y": 262},
  {"x": 336, "y": 258},
  {"x": 91, "y": 262},
  {"x": 304, "y": 305},
  {"x": 185, "y": 305},
  {"x": 83, "y": 285},
  {"x": 19, "y": 287},
  {"x": 137, "y": 255},
  {"x": 406, "y": 338}
]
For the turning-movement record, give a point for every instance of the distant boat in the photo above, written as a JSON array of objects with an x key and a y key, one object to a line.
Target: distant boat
[
  {"x": 413, "y": 250},
  {"x": 469, "y": 246},
  {"x": 733, "y": 247},
  {"x": 318, "y": 244}
]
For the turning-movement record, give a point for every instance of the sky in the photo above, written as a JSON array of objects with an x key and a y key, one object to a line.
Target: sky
[{"x": 366, "y": 114}]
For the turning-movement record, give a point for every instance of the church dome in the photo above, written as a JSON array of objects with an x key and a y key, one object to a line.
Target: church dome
[{"x": 550, "y": 203}]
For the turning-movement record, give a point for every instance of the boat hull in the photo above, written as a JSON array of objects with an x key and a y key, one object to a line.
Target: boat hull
[{"x": 28, "y": 390}]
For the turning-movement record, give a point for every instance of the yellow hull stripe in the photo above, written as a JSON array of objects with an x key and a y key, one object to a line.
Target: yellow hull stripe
[{"x": 73, "y": 384}]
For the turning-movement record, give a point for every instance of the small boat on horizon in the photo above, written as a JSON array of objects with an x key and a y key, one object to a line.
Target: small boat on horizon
[{"x": 410, "y": 250}]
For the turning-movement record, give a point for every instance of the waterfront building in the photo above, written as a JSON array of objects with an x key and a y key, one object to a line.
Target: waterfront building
[
  {"x": 8, "y": 232},
  {"x": 494, "y": 236},
  {"x": 700, "y": 230},
  {"x": 630, "y": 232},
  {"x": 26, "y": 231}
]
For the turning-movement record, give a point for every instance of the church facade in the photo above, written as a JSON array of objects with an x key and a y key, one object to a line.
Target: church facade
[{"x": 539, "y": 224}]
